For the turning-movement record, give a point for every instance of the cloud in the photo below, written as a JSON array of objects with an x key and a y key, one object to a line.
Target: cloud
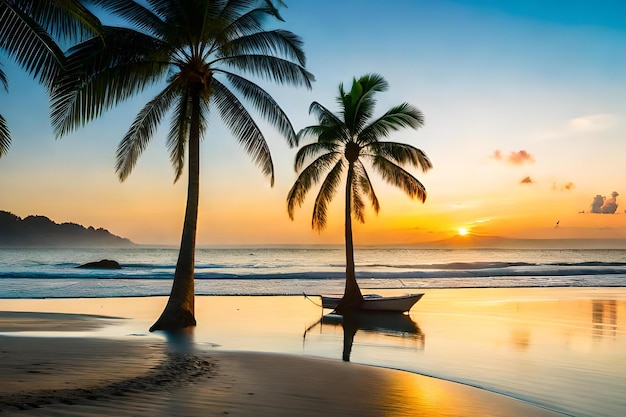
[
  {"x": 581, "y": 126},
  {"x": 527, "y": 180},
  {"x": 604, "y": 205},
  {"x": 568, "y": 186},
  {"x": 591, "y": 123},
  {"x": 514, "y": 158},
  {"x": 518, "y": 158}
]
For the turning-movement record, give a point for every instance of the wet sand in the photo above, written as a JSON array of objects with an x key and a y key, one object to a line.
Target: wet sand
[
  {"x": 557, "y": 348},
  {"x": 97, "y": 374}
]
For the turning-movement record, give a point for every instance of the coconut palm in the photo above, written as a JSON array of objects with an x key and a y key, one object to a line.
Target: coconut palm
[
  {"x": 201, "y": 50},
  {"x": 30, "y": 35},
  {"x": 345, "y": 141}
]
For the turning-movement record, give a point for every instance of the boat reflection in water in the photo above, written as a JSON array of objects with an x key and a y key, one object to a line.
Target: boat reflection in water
[{"x": 383, "y": 323}]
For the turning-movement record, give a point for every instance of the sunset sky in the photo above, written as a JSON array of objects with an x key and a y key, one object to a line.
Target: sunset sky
[{"x": 525, "y": 109}]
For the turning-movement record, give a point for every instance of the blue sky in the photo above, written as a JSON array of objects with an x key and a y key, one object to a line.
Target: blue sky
[{"x": 544, "y": 77}]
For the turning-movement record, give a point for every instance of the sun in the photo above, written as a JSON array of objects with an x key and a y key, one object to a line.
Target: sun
[{"x": 463, "y": 231}]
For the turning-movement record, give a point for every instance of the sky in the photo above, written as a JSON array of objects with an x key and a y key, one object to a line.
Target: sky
[{"x": 525, "y": 123}]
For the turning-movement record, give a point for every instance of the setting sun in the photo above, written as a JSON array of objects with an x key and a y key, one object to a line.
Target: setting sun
[{"x": 463, "y": 231}]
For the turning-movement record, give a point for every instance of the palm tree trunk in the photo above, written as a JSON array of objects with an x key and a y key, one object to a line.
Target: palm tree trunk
[
  {"x": 352, "y": 297},
  {"x": 179, "y": 311}
]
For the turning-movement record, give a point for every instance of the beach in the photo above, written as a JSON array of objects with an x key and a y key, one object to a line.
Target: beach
[{"x": 271, "y": 356}]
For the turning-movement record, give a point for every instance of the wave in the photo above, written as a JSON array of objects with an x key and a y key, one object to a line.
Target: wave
[
  {"x": 254, "y": 272},
  {"x": 493, "y": 265}
]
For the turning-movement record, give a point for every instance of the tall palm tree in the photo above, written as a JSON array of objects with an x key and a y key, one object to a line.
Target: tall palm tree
[
  {"x": 347, "y": 140},
  {"x": 30, "y": 33},
  {"x": 200, "y": 48}
]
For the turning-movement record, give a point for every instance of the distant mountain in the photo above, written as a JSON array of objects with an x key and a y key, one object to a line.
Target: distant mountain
[
  {"x": 41, "y": 231},
  {"x": 496, "y": 242}
]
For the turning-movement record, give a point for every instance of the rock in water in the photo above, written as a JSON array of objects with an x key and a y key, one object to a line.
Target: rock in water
[{"x": 103, "y": 264}]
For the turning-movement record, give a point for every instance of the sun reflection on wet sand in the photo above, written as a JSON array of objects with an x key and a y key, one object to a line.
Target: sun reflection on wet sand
[{"x": 557, "y": 347}]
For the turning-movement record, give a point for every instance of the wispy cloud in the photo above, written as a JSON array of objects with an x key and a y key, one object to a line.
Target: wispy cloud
[
  {"x": 582, "y": 125},
  {"x": 568, "y": 186},
  {"x": 592, "y": 123},
  {"x": 514, "y": 158}
]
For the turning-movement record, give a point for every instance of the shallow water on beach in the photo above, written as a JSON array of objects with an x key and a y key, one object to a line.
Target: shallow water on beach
[{"x": 560, "y": 348}]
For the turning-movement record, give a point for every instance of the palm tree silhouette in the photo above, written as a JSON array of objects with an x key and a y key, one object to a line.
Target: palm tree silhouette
[
  {"x": 30, "y": 34},
  {"x": 201, "y": 48},
  {"x": 346, "y": 140}
]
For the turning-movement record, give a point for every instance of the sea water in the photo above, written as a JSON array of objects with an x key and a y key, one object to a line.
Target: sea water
[
  {"x": 148, "y": 271},
  {"x": 563, "y": 350}
]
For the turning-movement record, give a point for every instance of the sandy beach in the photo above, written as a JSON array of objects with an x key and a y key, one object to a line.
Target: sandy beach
[
  {"x": 93, "y": 377},
  {"x": 93, "y": 357}
]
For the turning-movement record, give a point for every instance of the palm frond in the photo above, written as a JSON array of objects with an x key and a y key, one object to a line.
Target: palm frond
[
  {"x": 365, "y": 185},
  {"x": 278, "y": 43},
  {"x": 28, "y": 43},
  {"x": 398, "y": 117},
  {"x": 359, "y": 103},
  {"x": 142, "y": 130},
  {"x": 308, "y": 178},
  {"x": 325, "y": 195},
  {"x": 270, "y": 4},
  {"x": 134, "y": 13},
  {"x": 174, "y": 11},
  {"x": 245, "y": 23},
  {"x": 357, "y": 206},
  {"x": 402, "y": 153},
  {"x": 321, "y": 133},
  {"x": 231, "y": 11},
  {"x": 323, "y": 115},
  {"x": 266, "y": 105},
  {"x": 313, "y": 150},
  {"x": 66, "y": 20},
  {"x": 279, "y": 70},
  {"x": 3, "y": 80},
  {"x": 99, "y": 78},
  {"x": 330, "y": 129},
  {"x": 5, "y": 136},
  {"x": 179, "y": 134},
  {"x": 245, "y": 17},
  {"x": 241, "y": 124},
  {"x": 396, "y": 175}
]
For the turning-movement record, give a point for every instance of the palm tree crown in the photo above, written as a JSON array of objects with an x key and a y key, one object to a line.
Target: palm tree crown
[
  {"x": 345, "y": 141},
  {"x": 30, "y": 32},
  {"x": 348, "y": 140},
  {"x": 200, "y": 48}
]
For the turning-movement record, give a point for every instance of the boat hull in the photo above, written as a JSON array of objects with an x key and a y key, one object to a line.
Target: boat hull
[{"x": 399, "y": 303}]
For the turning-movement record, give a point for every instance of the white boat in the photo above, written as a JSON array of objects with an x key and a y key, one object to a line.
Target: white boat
[{"x": 375, "y": 302}]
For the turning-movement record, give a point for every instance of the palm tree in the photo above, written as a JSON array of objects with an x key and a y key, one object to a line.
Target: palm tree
[
  {"x": 30, "y": 34},
  {"x": 346, "y": 140},
  {"x": 200, "y": 48}
]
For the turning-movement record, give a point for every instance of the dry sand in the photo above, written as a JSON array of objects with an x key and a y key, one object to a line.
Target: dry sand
[{"x": 79, "y": 376}]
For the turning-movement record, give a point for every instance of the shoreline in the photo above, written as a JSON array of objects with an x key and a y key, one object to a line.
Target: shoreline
[
  {"x": 365, "y": 290},
  {"x": 238, "y": 383},
  {"x": 246, "y": 333}
]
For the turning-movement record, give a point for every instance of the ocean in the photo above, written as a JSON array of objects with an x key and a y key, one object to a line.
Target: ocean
[
  {"x": 148, "y": 271},
  {"x": 555, "y": 348}
]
